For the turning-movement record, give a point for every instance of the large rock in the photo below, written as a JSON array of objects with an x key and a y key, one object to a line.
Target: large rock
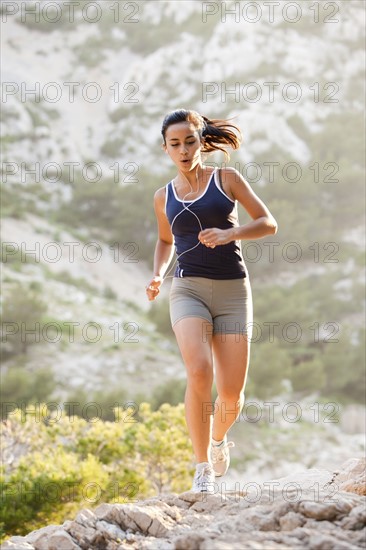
[
  {"x": 352, "y": 476},
  {"x": 314, "y": 510}
]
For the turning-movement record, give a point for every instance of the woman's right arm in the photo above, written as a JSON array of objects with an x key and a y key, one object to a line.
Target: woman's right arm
[{"x": 164, "y": 249}]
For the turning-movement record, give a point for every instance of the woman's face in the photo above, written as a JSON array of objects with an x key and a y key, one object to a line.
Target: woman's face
[{"x": 183, "y": 145}]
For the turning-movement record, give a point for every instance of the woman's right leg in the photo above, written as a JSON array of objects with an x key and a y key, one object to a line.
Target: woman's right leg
[{"x": 194, "y": 337}]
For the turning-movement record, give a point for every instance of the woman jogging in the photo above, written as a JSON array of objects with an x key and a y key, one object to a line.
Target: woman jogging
[{"x": 210, "y": 298}]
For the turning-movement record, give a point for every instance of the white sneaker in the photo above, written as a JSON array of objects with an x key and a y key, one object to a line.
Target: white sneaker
[
  {"x": 204, "y": 480},
  {"x": 220, "y": 457}
]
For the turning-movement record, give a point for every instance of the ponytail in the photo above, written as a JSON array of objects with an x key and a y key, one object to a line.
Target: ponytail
[{"x": 215, "y": 133}]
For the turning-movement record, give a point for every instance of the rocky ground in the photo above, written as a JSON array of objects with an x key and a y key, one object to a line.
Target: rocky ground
[{"x": 316, "y": 509}]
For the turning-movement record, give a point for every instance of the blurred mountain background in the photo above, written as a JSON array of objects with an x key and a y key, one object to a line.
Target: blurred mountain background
[{"x": 80, "y": 165}]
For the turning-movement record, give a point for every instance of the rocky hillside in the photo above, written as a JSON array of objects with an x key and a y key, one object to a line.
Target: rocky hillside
[
  {"x": 315, "y": 510},
  {"x": 78, "y": 92},
  {"x": 107, "y": 294},
  {"x": 168, "y": 57},
  {"x": 154, "y": 64},
  {"x": 171, "y": 55}
]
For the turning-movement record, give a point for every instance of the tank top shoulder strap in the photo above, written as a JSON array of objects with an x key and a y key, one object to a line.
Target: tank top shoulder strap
[
  {"x": 168, "y": 194},
  {"x": 215, "y": 180}
]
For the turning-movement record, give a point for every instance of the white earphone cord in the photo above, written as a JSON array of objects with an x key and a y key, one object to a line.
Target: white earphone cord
[{"x": 166, "y": 276}]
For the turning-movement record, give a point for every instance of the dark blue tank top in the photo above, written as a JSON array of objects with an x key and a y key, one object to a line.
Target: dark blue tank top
[{"x": 214, "y": 209}]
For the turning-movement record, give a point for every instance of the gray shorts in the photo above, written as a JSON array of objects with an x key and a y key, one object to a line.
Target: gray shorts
[{"x": 226, "y": 303}]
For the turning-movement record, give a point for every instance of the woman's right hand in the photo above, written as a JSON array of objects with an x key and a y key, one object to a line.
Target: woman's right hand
[{"x": 153, "y": 287}]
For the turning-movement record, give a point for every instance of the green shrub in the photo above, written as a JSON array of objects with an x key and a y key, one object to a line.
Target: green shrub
[
  {"x": 70, "y": 463},
  {"x": 159, "y": 314},
  {"x": 21, "y": 386},
  {"x": 23, "y": 311},
  {"x": 171, "y": 392}
]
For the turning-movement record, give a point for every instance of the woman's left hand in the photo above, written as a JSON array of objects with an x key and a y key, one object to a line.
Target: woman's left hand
[{"x": 214, "y": 237}]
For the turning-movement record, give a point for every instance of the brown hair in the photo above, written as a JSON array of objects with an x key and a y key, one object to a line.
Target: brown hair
[{"x": 214, "y": 133}]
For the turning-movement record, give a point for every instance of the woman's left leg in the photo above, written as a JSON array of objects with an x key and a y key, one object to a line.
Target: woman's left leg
[{"x": 232, "y": 355}]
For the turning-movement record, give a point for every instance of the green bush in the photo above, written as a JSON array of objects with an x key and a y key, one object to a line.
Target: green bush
[
  {"x": 269, "y": 366},
  {"x": 171, "y": 392},
  {"x": 70, "y": 463},
  {"x": 308, "y": 377},
  {"x": 19, "y": 385},
  {"x": 115, "y": 209},
  {"x": 23, "y": 311},
  {"x": 159, "y": 314},
  {"x": 13, "y": 204},
  {"x": 344, "y": 367},
  {"x": 105, "y": 403}
]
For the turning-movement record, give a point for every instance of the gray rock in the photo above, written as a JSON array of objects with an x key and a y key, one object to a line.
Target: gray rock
[
  {"x": 85, "y": 535},
  {"x": 191, "y": 497},
  {"x": 175, "y": 500},
  {"x": 209, "y": 504},
  {"x": 16, "y": 543},
  {"x": 265, "y": 522},
  {"x": 103, "y": 511},
  {"x": 148, "y": 520},
  {"x": 324, "y": 525},
  {"x": 325, "y": 542},
  {"x": 86, "y": 517},
  {"x": 356, "y": 519},
  {"x": 352, "y": 476},
  {"x": 108, "y": 530},
  {"x": 191, "y": 541},
  {"x": 219, "y": 544},
  {"x": 290, "y": 521},
  {"x": 324, "y": 510},
  {"x": 61, "y": 539},
  {"x": 39, "y": 538},
  {"x": 317, "y": 520}
]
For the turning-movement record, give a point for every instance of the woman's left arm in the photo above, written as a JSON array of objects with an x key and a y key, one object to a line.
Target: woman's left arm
[{"x": 262, "y": 224}]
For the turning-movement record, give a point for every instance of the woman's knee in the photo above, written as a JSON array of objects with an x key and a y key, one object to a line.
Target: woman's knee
[
  {"x": 231, "y": 395},
  {"x": 200, "y": 372}
]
